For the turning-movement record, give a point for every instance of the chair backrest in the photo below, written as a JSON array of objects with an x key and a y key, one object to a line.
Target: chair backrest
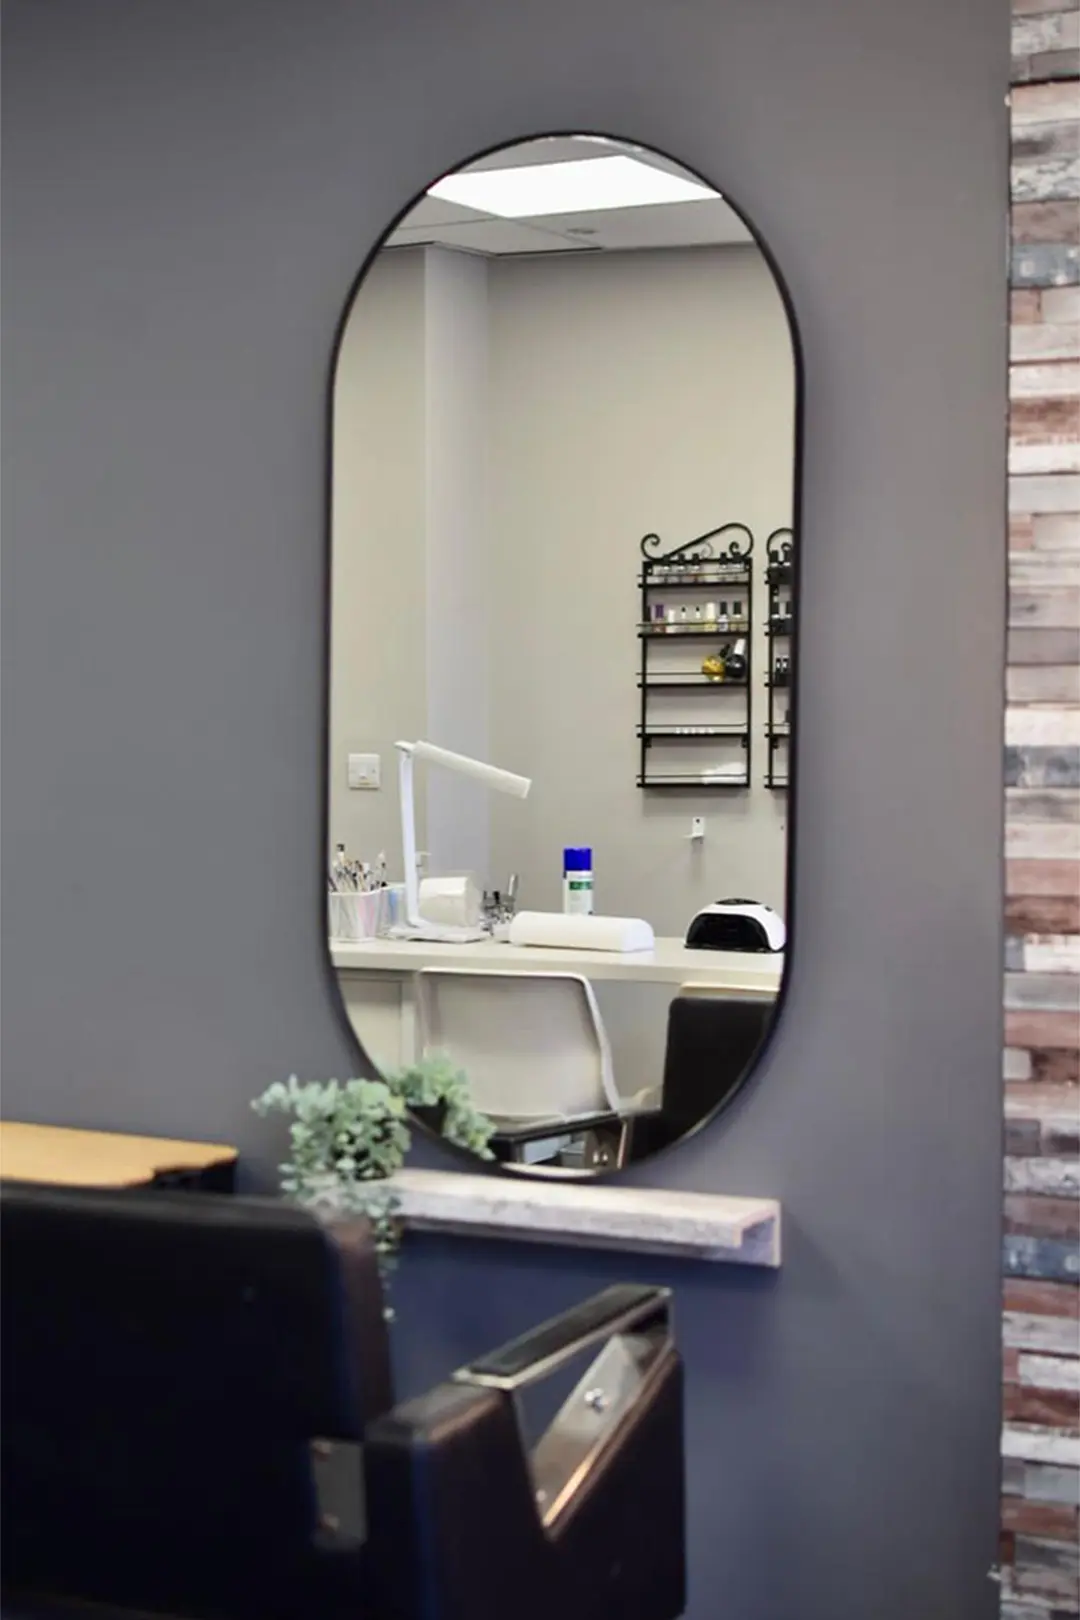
[
  {"x": 712, "y": 1036},
  {"x": 168, "y": 1361},
  {"x": 532, "y": 1045}
]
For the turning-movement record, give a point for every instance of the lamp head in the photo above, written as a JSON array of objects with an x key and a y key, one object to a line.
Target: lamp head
[{"x": 503, "y": 781}]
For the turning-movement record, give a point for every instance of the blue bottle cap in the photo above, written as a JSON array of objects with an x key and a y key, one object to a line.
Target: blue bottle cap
[{"x": 577, "y": 860}]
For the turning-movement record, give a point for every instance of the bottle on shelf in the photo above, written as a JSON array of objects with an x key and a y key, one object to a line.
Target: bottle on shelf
[
  {"x": 735, "y": 660},
  {"x": 577, "y": 882}
]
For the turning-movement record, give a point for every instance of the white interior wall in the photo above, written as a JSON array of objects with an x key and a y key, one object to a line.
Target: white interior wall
[
  {"x": 456, "y": 651},
  {"x": 505, "y": 433},
  {"x": 379, "y": 512},
  {"x": 630, "y": 392}
]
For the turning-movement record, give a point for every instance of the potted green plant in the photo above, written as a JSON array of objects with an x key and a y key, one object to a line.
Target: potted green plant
[{"x": 347, "y": 1137}]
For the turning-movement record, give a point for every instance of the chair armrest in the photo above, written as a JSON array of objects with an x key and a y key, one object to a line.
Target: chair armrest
[
  {"x": 464, "y": 1523},
  {"x": 619, "y": 1309}
]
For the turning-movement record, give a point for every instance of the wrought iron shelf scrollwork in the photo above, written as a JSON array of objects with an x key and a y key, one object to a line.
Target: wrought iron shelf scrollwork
[
  {"x": 719, "y": 560},
  {"x": 779, "y": 627},
  {"x": 707, "y": 548}
]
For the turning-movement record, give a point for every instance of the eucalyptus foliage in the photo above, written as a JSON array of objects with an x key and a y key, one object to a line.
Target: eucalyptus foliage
[{"x": 346, "y": 1136}]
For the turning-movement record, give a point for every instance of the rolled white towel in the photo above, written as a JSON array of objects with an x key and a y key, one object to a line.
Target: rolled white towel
[{"x": 558, "y": 930}]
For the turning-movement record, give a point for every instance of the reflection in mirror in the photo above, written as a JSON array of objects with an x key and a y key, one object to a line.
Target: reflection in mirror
[{"x": 561, "y": 647}]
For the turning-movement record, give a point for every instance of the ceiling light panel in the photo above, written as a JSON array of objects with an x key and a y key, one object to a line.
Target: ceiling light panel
[{"x": 583, "y": 186}]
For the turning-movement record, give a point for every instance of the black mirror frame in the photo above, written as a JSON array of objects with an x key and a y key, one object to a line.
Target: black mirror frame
[{"x": 737, "y": 1091}]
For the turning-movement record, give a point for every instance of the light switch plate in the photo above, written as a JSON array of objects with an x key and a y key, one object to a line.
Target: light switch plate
[{"x": 365, "y": 771}]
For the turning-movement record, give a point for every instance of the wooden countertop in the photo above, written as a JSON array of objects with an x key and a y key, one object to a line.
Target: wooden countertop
[{"x": 77, "y": 1158}]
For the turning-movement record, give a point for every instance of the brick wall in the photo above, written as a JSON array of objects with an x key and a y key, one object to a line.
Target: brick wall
[{"x": 1040, "y": 1558}]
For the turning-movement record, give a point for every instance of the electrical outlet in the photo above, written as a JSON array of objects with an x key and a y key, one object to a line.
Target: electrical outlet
[{"x": 365, "y": 771}]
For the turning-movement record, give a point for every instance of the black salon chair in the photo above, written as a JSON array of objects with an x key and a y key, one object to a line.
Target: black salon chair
[
  {"x": 711, "y": 1044},
  {"x": 198, "y": 1421}
]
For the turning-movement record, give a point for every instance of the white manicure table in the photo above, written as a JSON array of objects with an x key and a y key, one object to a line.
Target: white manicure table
[{"x": 377, "y": 977}]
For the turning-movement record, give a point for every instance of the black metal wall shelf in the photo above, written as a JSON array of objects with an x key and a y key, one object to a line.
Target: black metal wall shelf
[
  {"x": 691, "y": 579},
  {"x": 780, "y": 626},
  {"x": 676, "y": 632},
  {"x": 691, "y": 683},
  {"x": 707, "y": 782},
  {"x": 692, "y": 733},
  {"x": 720, "y": 561}
]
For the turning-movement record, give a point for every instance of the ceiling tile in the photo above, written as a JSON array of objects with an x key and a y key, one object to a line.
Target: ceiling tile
[
  {"x": 692, "y": 224},
  {"x": 434, "y": 211},
  {"x": 491, "y": 236},
  {"x": 548, "y": 149}
]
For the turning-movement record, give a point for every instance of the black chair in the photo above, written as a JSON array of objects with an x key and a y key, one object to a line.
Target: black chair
[
  {"x": 711, "y": 1044},
  {"x": 198, "y": 1421}
]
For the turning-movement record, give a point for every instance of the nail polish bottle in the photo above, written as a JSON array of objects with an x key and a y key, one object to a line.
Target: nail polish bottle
[{"x": 736, "y": 661}]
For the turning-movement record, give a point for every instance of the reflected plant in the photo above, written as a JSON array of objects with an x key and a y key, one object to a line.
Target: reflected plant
[{"x": 348, "y": 1137}]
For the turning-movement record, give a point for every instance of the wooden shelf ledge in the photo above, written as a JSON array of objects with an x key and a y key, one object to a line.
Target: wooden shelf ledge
[{"x": 643, "y": 1220}]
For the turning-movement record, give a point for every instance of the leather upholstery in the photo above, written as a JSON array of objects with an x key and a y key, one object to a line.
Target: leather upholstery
[
  {"x": 616, "y": 1553},
  {"x": 711, "y": 1042},
  {"x": 167, "y": 1361}
]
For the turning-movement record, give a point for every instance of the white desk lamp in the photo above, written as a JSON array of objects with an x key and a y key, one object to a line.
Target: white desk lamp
[{"x": 415, "y": 926}]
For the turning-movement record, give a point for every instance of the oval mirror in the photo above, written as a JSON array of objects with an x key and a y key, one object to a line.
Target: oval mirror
[{"x": 562, "y": 615}]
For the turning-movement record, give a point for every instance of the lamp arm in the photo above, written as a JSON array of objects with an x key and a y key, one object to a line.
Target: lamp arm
[{"x": 408, "y": 753}]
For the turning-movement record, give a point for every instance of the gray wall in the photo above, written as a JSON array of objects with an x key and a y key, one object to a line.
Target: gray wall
[{"x": 189, "y": 191}]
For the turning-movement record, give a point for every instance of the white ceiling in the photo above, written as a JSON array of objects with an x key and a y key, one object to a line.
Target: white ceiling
[{"x": 686, "y": 224}]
